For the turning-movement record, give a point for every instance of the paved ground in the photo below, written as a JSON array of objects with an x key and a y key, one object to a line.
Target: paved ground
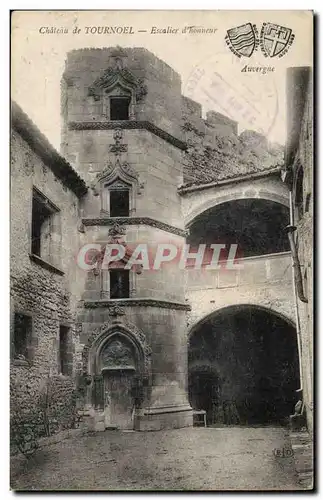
[{"x": 180, "y": 459}]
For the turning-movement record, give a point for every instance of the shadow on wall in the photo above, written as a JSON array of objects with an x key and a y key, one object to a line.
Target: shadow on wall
[
  {"x": 243, "y": 367},
  {"x": 256, "y": 226}
]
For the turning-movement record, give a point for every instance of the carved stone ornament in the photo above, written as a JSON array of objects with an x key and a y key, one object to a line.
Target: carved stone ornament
[
  {"x": 109, "y": 329},
  {"x": 118, "y": 76},
  {"x": 117, "y": 230},
  {"x": 117, "y": 354},
  {"x": 118, "y": 136},
  {"x": 117, "y": 148},
  {"x": 116, "y": 311},
  {"x": 119, "y": 172}
]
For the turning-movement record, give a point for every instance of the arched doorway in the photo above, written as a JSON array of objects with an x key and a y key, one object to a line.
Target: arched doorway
[
  {"x": 117, "y": 360},
  {"x": 243, "y": 367},
  {"x": 118, "y": 363}
]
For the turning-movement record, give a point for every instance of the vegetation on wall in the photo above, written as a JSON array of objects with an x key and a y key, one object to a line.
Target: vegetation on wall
[{"x": 39, "y": 409}]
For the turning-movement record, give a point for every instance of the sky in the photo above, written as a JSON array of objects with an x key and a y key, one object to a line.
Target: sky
[{"x": 211, "y": 74}]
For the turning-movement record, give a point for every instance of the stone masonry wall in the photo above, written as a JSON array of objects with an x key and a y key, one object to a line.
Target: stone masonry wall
[
  {"x": 48, "y": 297},
  {"x": 216, "y": 152},
  {"x": 157, "y": 163},
  {"x": 161, "y": 105},
  {"x": 305, "y": 252}
]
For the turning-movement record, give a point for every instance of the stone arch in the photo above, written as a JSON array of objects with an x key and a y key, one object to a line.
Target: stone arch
[
  {"x": 221, "y": 200},
  {"x": 255, "y": 355},
  {"x": 105, "y": 333},
  {"x": 269, "y": 188},
  {"x": 270, "y": 310}
]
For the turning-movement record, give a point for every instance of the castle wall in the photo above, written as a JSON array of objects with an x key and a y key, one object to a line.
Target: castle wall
[
  {"x": 161, "y": 104},
  {"x": 263, "y": 281},
  {"x": 157, "y": 163},
  {"x": 48, "y": 295},
  {"x": 303, "y": 156}
]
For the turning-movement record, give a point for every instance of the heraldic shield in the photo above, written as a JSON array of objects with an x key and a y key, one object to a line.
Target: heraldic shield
[
  {"x": 242, "y": 39},
  {"x": 275, "y": 39}
]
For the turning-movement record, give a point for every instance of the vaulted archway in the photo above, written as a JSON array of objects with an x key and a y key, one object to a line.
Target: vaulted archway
[
  {"x": 243, "y": 367},
  {"x": 256, "y": 226}
]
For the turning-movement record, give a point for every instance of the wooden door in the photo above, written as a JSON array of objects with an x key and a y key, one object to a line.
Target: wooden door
[{"x": 119, "y": 403}]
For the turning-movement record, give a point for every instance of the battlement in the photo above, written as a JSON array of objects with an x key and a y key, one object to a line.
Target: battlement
[{"x": 150, "y": 93}]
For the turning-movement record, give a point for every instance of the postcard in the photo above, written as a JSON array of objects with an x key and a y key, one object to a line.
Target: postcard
[{"x": 161, "y": 234}]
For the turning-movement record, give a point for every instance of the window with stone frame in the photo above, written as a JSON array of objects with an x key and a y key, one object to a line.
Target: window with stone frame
[
  {"x": 115, "y": 283},
  {"x": 64, "y": 351},
  {"x": 45, "y": 229},
  {"x": 22, "y": 335},
  {"x": 117, "y": 102},
  {"x": 119, "y": 108},
  {"x": 116, "y": 199},
  {"x": 119, "y": 202}
]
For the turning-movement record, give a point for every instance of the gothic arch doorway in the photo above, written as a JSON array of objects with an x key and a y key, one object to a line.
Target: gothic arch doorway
[
  {"x": 118, "y": 360},
  {"x": 243, "y": 362}
]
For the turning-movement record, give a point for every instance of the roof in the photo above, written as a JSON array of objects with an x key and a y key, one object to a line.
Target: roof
[
  {"x": 189, "y": 187},
  {"x": 42, "y": 147}
]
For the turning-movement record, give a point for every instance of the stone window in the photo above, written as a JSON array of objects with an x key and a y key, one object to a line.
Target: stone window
[
  {"x": 119, "y": 202},
  {"x": 299, "y": 208},
  {"x": 116, "y": 283},
  {"x": 116, "y": 199},
  {"x": 64, "y": 350},
  {"x": 119, "y": 108},
  {"x": 45, "y": 230},
  {"x": 22, "y": 334}
]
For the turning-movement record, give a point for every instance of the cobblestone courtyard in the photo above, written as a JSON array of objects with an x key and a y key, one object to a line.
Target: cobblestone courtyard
[{"x": 181, "y": 459}]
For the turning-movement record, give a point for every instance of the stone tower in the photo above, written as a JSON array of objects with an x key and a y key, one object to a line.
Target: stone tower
[{"x": 121, "y": 111}]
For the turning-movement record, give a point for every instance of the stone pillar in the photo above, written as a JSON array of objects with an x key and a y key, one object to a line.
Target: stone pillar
[{"x": 168, "y": 405}]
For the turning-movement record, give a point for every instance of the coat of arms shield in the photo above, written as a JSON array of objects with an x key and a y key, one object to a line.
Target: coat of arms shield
[
  {"x": 274, "y": 39},
  {"x": 242, "y": 39}
]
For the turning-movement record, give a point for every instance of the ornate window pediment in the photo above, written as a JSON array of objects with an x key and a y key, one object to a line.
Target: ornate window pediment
[
  {"x": 118, "y": 181},
  {"x": 119, "y": 91},
  {"x": 118, "y": 78},
  {"x": 118, "y": 177},
  {"x": 119, "y": 172},
  {"x": 118, "y": 185}
]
